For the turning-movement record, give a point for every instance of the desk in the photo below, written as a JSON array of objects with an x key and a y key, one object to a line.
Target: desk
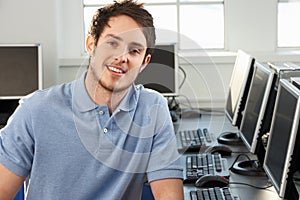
[{"x": 216, "y": 124}]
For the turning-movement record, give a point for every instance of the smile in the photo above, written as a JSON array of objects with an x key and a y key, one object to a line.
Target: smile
[{"x": 115, "y": 70}]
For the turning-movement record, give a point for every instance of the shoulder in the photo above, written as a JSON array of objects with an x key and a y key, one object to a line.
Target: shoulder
[
  {"x": 154, "y": 103},
  {"x": 51, "y": 95},
  {"x": 149, "y": 95}
]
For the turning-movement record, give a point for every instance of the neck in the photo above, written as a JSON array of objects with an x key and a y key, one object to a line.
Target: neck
[{"x": 103, "y": 96}]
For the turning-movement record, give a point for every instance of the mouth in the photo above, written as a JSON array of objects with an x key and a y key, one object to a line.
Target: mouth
[{"x": 115, "y": 70}]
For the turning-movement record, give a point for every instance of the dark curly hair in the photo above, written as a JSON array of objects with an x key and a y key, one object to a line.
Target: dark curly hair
[{"x": 125, "y": 7}]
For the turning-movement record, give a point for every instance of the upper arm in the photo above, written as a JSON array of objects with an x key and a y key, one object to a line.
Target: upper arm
[
  {"x": 167, "y": 189},
  {"x": 10, "y": 183}
]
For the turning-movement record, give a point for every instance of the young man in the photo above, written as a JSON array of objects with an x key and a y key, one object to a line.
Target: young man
[{"x": 100, "y": 136}]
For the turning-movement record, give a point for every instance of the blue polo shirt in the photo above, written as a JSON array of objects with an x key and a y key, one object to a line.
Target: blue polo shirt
[{"x": 72, "y": 148}]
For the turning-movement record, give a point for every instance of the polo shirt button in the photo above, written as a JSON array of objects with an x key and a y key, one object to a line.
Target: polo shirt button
[
  {"x": 101, "y": 112},
  {"x": 105, "y": 130}
]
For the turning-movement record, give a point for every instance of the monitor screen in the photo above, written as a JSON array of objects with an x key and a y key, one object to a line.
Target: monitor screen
[
  {"x": 282, "y": 135},
  {"x": 20, "y": 68},
  {"x": 259, "y": 91},
  {"x": 238, "y": 91},
  {"x": 161, "y": 72}
]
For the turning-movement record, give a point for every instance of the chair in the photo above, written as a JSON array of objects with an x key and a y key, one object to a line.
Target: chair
[
  {"x": 20, "y": 194},
  {"x": 147, "y": 193}
]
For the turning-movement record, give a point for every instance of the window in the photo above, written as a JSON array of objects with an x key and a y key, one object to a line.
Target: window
[
  {"x": 288, "y": 28},
  {"x": 193, "y": 24}
]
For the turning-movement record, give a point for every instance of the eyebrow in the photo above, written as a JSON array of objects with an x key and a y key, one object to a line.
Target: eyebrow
[
  {"x": 114, "y": 36},
  {"x": 121, "y": 39}
]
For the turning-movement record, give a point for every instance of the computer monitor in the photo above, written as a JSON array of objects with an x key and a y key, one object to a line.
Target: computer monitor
[
  {"x": 237, "y": 94},
  {"x": 20, "y": 70},
  {"x": 255, "y": 123},
  {"x": 20, "y": 74},
  {"x": 161, "y": 72},
  {"x": 283, "y": 149},
  {"x": 262, "y": 85},
  {"x": 238, "y": 87}
]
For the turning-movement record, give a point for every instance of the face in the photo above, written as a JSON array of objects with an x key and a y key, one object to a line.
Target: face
[{"x": 118, "y": 57}]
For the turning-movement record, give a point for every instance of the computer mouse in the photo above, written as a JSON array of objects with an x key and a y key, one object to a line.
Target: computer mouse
[
  {"x": 221, "y": 149},
  {"x": 210, "y": 180}
]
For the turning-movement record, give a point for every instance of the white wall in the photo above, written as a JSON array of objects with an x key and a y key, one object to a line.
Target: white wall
[
  {"x": 70, "y": 33},
  {"x": 32, "y": 21},
  {"x": 251, "y": 25}
]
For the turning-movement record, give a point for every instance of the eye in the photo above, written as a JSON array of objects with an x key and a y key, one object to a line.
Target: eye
[
  {"x": 135, "y": 51},
  {"x": 112, "y": 43}
]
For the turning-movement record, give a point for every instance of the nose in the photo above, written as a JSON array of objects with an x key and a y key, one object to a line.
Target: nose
[{"x": 122, "y": 58}]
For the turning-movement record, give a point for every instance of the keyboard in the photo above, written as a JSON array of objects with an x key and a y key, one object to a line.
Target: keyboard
[
  {"x": 193, "y": 140},
  {"x": 201, "y": 164},
  {"x": 215, "y": 193}
]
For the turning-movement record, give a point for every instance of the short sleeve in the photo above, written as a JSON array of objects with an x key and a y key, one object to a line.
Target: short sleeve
[{"x": 164, "y": 160}]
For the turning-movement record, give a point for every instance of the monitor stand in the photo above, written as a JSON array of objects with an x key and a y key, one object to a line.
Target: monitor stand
[
  {"x": 296, "y": 180},
  {"x": 249, "y": 168},
  {"x": 230, "y": 138}
]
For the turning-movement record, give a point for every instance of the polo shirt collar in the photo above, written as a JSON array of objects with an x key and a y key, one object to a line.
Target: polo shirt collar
[
  {"x": 81, "y": 98},
  {"x": 130, "y": 100},
  {"x": 83, "y": 102}
]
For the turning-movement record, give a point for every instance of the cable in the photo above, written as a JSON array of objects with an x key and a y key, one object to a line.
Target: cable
[
  {"x": 184, "y": 77},
  {"x": 240, "y": 183},
  {"x": 256, "y": 187}
]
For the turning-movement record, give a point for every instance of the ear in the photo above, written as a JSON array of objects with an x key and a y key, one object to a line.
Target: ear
[
  {"x": 146, "y": 61},
  {"x": 90, "y": 44}
]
